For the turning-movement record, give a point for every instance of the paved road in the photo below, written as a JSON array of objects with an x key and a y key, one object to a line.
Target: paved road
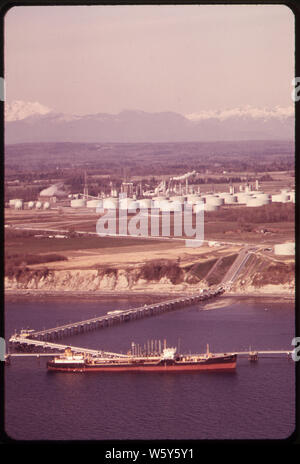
[{"x": 238, "y": 264}]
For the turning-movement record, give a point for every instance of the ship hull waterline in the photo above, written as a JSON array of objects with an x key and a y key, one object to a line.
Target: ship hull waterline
[{"x": 224, "y": 367}]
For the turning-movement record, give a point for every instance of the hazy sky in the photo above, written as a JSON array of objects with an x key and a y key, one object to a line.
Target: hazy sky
[{"x": 89, "y": 59}]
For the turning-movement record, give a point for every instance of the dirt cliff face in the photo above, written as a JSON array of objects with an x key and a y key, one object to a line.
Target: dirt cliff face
[
  {"x": 268, "y": 276},
  {"x": 95, "y": 280},
  {"x": 258, "y": 276}
]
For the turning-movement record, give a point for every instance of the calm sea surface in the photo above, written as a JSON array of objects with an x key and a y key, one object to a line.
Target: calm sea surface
[{"x": 255, "y": 402}]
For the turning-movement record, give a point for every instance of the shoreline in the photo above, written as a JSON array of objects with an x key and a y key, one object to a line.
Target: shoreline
[{"x": 11, "y": 295}]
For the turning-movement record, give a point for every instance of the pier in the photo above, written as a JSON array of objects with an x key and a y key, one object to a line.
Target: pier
[
  {"x": 29, "y": 341},
  {"x": 252, "y": 356},
  {"x": 42, "y": 338},
  {"x": 24, "y": 343}
]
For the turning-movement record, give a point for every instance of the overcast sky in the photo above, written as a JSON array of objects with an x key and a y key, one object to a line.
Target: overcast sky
[{"x": 187, "y": 59}]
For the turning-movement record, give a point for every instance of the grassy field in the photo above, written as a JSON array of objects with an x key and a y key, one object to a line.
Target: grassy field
[
  {"x": 233, "y": 223},
  {"x": 220, "y": 270},
  {"x": 30, "y": 244}
]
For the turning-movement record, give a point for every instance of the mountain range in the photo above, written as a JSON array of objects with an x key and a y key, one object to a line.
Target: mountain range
[{"x": 30, "y": 122}]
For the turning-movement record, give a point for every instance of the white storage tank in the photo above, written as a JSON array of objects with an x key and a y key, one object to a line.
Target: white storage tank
[
  {"x": 218, "y": 201},
  {"x": 230, "y": 199},
  {"x": 287, "y": 249},
  {"x": 133, "y": 206},
  {"x": 179, "y": 198},
  {"x": 265, "y": 201},
  {"x": 19, "y": 204},
  {"x": 30, "y": 204},
  {"x": 96, "y": 203},
  {"x": 127, "y": 204},
  {"x": 145, "y": 203},
  {"x": 280, "y": 198},
  {"x": 38, "y": 205},
  {"x": 175, "y": 206},
  {"x": 242, "y": 198},
  {"x": 110, "y": 203},
  {"x": 158, "y": 202},
  {"x": 164, "y": 206},
  {"x": 46, "y": 205},
  {"x": 13, "y": 201},
  {"x": 260, "y": 193},
  {"x": 78, "y": 203},
  {"x": 224, "y": 194},
  {"x": 209, "y": 207},
  {"x": 253, "y": 202},
  {"x": 193, "y": 199},
  {"x": 198, "y": 207},
  {"x": 124, "y": 203}
]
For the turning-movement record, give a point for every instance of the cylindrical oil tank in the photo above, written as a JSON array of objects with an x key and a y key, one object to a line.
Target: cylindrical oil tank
[
  {"x": 242, "y": 198},
  {"x": 38, "y": 205},
  {"x": 145, "y": 203},
  {"x": 224, "y": 194},
  {"x": 164, "y": 206},
  {"x": 159, "y": 198},
  {"x": 198, "y": 207},
  {"x": 179, "y": 198},
  {"x": 218, "y": 201},
  {"x": 124, "y": 202},
  {"x": 133, "y": 206},
  {"x": 262, "y": 196},
  {"x": 209, "y": 207},
  {"x": 46, "y": 205},
  {"x": 96, "y": 203},
  {"x": 192, "y": 199},
  {"x": 158, "y": 201},
  {"x": 230, "y": 199},
  {"x": 292, "y": 196},
  {"x": 280, "y": 198},
  {"x": 128, "y": 203},
  {"x": 110, "y": 203},
  {"x": 19, "y": 204},
  {"x": 78, "y": 203},
  {"x": 13, "y": 201},
  {"x": 287, "y": 248},
  {"x": 30, "y": 204},
  {"x": 253, "y": 202},
  {"x": 175, "y": 206}
]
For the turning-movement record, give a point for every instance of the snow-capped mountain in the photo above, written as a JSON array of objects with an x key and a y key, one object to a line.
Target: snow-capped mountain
[
  {"x": 21, "y": 110},
  {"x": 245, "y": 111},
  {"x": 34, "y": 122}
]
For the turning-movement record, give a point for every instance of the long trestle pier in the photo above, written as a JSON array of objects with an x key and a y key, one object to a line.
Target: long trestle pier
[{"x": 30, "y": 339}]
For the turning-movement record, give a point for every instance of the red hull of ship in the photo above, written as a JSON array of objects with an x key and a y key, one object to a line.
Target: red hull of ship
[{"x": 229, "y": 366}]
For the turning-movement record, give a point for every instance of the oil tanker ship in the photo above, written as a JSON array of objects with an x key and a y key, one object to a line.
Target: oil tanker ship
[{"x": 168, "y": 360}]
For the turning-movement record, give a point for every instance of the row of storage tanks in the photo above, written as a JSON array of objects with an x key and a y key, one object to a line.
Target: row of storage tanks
[
  {"x": 211, "y": 202},
  {"x": 18, "y": 203}
]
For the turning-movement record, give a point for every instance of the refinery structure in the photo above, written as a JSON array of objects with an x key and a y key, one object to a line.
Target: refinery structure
[{"x": 169, "y": 195}]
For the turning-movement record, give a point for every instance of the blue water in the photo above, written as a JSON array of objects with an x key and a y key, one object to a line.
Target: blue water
[{"x": 255, "y": 402}]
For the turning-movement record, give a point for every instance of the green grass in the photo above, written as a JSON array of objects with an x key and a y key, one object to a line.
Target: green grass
[
  {"x": 200, "y": 270},
  {"x": 221, "y": 269},
  {"x": 45, "y": 245}
]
